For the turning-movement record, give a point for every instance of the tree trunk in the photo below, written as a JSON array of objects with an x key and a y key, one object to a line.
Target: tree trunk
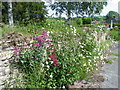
[
  {"x": 10, "y": 14},
  {"x": 0, "y": 11}
]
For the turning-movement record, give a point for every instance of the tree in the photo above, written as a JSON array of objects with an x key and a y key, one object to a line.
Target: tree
[
  {"x": 78, "y": 8},
  {"x": 10, "y": 13},
  {"x": 112, "y": 15},
  {"x": 25, "y": 12}
]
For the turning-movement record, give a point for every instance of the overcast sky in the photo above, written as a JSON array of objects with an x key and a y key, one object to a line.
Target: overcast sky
[{"x": 111, "y": 6}]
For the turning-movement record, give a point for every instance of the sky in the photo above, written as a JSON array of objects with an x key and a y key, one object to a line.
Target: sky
[{"x": 112, "y": 5}]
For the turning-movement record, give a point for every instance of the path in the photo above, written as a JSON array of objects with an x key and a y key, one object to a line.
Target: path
[{"x": 111, "y": 71}]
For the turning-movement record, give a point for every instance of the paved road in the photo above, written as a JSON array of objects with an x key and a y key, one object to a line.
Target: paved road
[{"x": 111, "y": 71}]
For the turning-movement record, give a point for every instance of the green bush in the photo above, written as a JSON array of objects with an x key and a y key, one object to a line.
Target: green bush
[
  {"x": 87, "y": 20},
  {"x": 115, "y": 35},
  {"x": 116, "y": 24},
  {"x": 79, "y": 21}
]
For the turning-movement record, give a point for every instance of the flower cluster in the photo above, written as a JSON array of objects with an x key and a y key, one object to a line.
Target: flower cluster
[
  {"x": 54, "y": 58},
  {"x": 16, "y": 50}
]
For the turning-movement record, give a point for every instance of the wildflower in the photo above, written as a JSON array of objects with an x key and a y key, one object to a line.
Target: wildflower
[
  {"x": 43, "y": 28},
  {"x": 22, "y": 48},
  {"x": 46, "y": 62},
  {"x": 31, "y": 47},
  {"x": 18, "y": 53},
  {"x": 48, "y": 66},
  {"x": 36, "y": 58},
  {"x": 63, "y": 87},
  {"x": 41, "y": 40},
  {"x": 15, "y": 48},
  {"x": 54, "y": 49},
  {"x": 54, "y": 58},
  {"x": 44, "y": 33},
  {"x": 42, "y": 65},
  {"x": 51, "y": 76},
  {"x": 36, "y": 44},
  {"x": 48, "y": 40},
  {"x": 38, "y": 37}
]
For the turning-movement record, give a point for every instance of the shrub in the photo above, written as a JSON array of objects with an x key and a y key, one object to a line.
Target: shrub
[
  {"x": 87, "y": 20},
  {"x": 115, "y": 35},
  {"x": 79, "y": 21},
  {"x": 116, "y": 24}
]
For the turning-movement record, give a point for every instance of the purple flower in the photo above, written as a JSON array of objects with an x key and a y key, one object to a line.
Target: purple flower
[
  {"x": 44, "y": 31},
  {"x": 36, "y": 44},
  {"x": 15, "y": 48},
  {"x": 38, "y": 37}
]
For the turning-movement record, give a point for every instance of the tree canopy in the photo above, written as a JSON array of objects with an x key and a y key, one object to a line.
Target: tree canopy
[
  {"x": 112, "y": 14},
  {"x": 78, "y": 8},
  {"x": 25, "y": 12}
]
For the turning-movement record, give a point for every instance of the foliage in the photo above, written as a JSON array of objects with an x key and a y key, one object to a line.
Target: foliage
[
  {"x": 99, "y": 18},
  {"x": 79, "y": 21},
  {"x": 115, "y": 35},
  {"x": 58, "y": 59},
  {"x": 87, "y": 20},
  {"x": 78, "y": 8},
  {"x": 112, "y": 13},
  {"x": 116, "y": 24},
  {"x": 25, "y": 13}
]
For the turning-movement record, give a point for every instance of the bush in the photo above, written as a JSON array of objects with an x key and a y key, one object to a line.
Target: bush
[
  {"x": 116, "y": 24},
  {"x": 79, "y": 21},
  {"x": 87, "y": 20},
  {"x": 115, "y": 35}
]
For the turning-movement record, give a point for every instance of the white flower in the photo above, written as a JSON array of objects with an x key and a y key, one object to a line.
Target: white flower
[
  {"x": 83, "y": 57},
  {"x": 79, "y": 42},
  {"x": 42, "y": 65},
  {"x": 51, "y": 76},
  {"x": 51, "y": 62},
  {"x": 63, "y": 87},
  {"x": 46, "y": 62},
  {"x": 81, "y": 46},
  {"x": 43, "y": 28},
  {"x": 84, "y": 64},
  {"x": 48, "y": 66}
]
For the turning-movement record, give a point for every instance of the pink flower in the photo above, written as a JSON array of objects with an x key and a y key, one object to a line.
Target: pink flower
[
  {"x": 36, "y": 44},
  {"x": 48, "y": 40},
  {"x": 44, "y": 31},
  {"x": 37, "y": 37},
  {"x": 18, "y": 53},
  {"x": 22, "y": 48},
  {"x": 54, "y": 58},
  {"x": 36, "y": 58},
  {"x": 54, "y": 49},
  {"x": 41, "y": 40},
  {"x": 15, "y": 48},
  {"x": 31, "y": 47}
]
